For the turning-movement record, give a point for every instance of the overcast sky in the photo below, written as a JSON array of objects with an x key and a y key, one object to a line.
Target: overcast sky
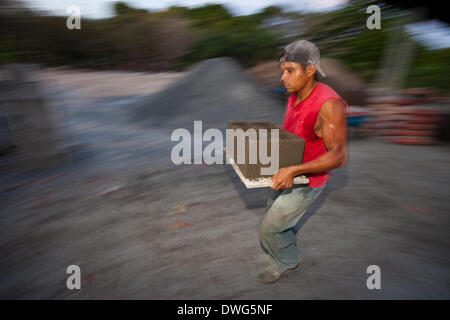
[
  {"x": 102, "y": 8},
  {"x": 434, "y": 34}
]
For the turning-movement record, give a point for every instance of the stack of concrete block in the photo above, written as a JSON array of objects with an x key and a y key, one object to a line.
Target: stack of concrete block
[
  {"x": 407, "y": 119},
  {"x": 34, "y": 122},
  {"x": 291, "y": 147}
]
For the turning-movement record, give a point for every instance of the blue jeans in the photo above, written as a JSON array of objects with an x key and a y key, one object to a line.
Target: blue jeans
[{"x": 284, "y": 209}]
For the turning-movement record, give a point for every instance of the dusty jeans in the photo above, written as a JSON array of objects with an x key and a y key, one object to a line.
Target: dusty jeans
[{"x": 284, "y": 209}]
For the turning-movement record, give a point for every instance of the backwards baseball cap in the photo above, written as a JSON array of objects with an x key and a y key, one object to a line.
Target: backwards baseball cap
[{"x": 303, "y": 52}]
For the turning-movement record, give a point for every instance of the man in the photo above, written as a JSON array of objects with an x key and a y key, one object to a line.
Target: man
[{"x": 316, "y": 113}]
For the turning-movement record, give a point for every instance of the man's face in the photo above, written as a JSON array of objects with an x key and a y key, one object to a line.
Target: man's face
[{"x": 293, "y": 76}]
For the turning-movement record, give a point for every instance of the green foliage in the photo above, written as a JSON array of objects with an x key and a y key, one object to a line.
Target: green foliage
[
  {"x": 430, "y": 68},
  {"x": 246, "y": 45},
  {"x": 363, "y": 53},
  {"x": 209, "y": 15},
  {"x": 179, "y": 36},
  {"x": 222, "y": 34},
  {"x": 7, "y": 52},
  {"x": 121, "y": 8},
  {"x": 342, "y": 34}
]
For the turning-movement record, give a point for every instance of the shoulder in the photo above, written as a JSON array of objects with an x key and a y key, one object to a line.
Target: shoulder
[
  {"x": 332, "y": 108},
  {"x": 333, "y": 105},
  {"x": 327, "y": 89}
]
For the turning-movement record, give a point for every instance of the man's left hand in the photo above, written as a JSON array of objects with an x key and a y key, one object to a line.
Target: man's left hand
[{"x": 283, "y": 178}]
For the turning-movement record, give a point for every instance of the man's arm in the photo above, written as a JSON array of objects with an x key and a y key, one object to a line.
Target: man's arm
[{"x": 333, "y": 132}]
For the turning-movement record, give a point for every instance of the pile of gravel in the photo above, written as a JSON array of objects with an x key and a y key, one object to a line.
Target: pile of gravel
[{"x": 214, "y": 91}]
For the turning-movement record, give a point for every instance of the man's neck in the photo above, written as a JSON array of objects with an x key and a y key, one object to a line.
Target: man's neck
[{"x": 305, "y": 91}]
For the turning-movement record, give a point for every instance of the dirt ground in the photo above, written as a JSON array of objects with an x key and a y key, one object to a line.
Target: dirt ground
[
  {"x": 86, "y": 85},
  {"x": 140, "y": 227}
]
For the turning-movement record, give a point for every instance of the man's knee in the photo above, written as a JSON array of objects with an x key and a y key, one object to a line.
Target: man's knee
[
  {"x": 283, "y": 213},
  {"x": 270, "y": 225}
]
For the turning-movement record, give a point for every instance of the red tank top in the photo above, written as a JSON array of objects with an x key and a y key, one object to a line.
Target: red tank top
[{"x": 300, "y": 120}]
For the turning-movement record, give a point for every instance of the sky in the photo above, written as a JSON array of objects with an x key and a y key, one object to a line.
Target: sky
[
  {"x": 102, "y": 8},
  {"x": 433, "y": 34}
]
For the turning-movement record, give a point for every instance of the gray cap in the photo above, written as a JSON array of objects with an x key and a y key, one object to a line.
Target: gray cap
[{"x": 303, "y": 52}]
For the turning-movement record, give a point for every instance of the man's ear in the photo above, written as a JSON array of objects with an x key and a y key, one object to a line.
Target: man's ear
[{"x": 310, "y": 69}]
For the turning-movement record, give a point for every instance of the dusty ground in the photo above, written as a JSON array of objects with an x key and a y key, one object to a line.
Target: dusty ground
[
  {"x": 99, "y": 84},
  {"x": 141, "y": 227}
]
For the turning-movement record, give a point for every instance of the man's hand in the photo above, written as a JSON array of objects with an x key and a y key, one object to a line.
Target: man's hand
[{"x": 283, "y": 178}]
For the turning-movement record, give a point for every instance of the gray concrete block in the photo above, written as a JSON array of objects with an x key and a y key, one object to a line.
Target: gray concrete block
[{"x": 290, "y": 147}]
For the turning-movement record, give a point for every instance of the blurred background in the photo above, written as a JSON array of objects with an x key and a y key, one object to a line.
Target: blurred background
[{"x": 86, "y": 178}]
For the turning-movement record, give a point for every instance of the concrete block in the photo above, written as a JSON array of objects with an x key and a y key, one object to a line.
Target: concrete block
[{"x": 290, "y": 145}]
